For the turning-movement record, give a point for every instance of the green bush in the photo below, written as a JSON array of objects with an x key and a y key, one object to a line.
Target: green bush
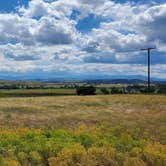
[
  {"x": 161, "y": 89},
  {"x": 74, "y": 155},
  {"x": 131, "y": 161},
  {"x": 95, "y": 146},
  {"x": 155, "y": 154},
  {"x": 86, "y": 90},
  {"x": 35, "y": 158},
  {"x": 102, "y": 156},
  {"x": 116, "y": 90},
  {"x": 104, "y": 91}
]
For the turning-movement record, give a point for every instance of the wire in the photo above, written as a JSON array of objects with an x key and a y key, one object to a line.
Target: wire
[{"x": 137, "y": 50}]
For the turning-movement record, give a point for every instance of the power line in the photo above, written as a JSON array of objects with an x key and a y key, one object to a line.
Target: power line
[{"x": 127, "y": 51}]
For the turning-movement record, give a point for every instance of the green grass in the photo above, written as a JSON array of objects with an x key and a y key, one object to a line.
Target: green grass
[{"x": 36, "y": 92}]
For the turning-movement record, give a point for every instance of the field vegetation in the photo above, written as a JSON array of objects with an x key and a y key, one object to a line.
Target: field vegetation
[
  {"x": 101, "y": 130},
  {"x": 37, "y": 92}
]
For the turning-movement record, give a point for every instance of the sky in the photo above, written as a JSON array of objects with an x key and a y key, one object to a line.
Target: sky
[{"x": 82, "y": 39}]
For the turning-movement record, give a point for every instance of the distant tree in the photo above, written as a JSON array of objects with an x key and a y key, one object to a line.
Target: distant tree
[
  {"x": 161, "y": 89},
  {"x": 104, "y": 91},
  {"x": 151, "y": 90},
  {"x": 86, "y": 90},
  {"x": 116, "y": 90}
]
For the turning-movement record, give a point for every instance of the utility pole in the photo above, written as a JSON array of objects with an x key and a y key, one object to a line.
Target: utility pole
[{"x": 149, "y": 50}]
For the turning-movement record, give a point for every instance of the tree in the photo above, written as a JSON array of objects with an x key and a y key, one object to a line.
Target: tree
[
  {"x": 104, "y": 91},
  {"x": 86, "y": 90},
  {"x": 116, "y": 90}
]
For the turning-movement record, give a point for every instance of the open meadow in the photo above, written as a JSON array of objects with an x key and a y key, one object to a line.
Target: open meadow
[{"x": 101, "y": 130}]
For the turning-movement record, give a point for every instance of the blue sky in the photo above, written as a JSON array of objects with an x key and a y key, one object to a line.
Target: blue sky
[
  {"x": 81, "y": 39},
  {"x": 10, "y": 5}
]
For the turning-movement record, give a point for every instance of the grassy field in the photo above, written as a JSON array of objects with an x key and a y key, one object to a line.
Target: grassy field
[
  {"x": 83, "y": 130},
  {"x": 40, "y": 92},
  {"x": 36, "y": 92},
  {"x": 70, "y": 111}
]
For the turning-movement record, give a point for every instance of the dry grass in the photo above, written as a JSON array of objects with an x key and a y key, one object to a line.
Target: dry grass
[{"x": 71, "y": 111}]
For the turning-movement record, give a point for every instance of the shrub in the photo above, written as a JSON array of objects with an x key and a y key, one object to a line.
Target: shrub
[
  {"x": 126, "y": 143},
  {"x": 162, "y": 89},
  {"x": 72, "y": 156},
  {"x": 35, "y": 158},
  {"x": 13, "y": 163},
  {"x": 52, "y": 161},
  {"x": 136, "y": 152},
  {"x": 116, "y": 90},
  {"x": 10, "y": 162},
  {"x": 149, "y": 90},
  {"x": 132, "y": 161},
  {"x": 155, "y": 154},
  {"x": 23, "y": 158},
  {"x": 86, "y": 90},
  {"x": 85, "y": 139},
  {"x": 103, "y": 156},
  {"x": 85, "y": 146}
]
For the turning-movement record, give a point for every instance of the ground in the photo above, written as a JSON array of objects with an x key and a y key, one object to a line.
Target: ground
[
  {"x": 131, "y": 123},
  {"x": 70, "y": 111}
]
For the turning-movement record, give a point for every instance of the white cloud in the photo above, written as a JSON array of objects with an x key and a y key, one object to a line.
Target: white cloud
[
  {"x": 36, "y": 8},
  {"x": 152, "y": 23},
  {"x": 16, "y": 29},
  {"x": 53, "y": 31}
]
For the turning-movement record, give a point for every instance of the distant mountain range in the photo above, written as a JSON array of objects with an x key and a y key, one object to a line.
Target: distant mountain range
[
  {"x": 55, "y": 78},
  {"x": 103, "y": 81}
]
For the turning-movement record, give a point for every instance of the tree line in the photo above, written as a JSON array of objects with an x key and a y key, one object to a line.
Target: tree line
[{"x": 135, "y": 89}]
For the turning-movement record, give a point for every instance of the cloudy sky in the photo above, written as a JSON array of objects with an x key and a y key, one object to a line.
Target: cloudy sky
[{"x": 81, "y": 38}]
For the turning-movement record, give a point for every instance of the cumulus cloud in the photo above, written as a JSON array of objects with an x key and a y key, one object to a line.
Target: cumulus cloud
[
  {"x": 52, "y": 31},
  {"x": 36, "y": 8},
  {"x": 19, "y": 52},
  {"x": 152, "y": 23},
  {"x": 15, "y": 29}
]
